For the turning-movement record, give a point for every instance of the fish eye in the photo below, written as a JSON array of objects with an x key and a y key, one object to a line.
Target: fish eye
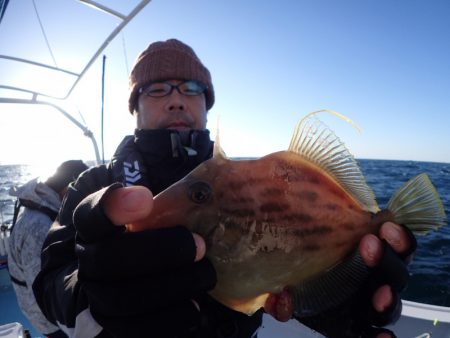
[{"x": 200, "y": 192}]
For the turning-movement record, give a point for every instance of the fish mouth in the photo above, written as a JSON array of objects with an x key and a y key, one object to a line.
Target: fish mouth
[{"x": 163, "y": 215}]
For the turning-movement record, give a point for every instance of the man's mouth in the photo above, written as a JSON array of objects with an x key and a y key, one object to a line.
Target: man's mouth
[{"x": 178, "y": 126}]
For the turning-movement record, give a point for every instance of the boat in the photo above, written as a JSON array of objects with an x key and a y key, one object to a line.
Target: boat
[
  {"x": 24, "y": 92},
  {"x": 418, "y": 320},
  {"x": 13, "y": 323}
]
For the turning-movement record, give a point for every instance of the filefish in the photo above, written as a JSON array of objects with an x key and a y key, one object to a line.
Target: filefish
[{"x": 290, "y": 220}]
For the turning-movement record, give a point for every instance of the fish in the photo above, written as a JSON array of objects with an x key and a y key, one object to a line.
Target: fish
[{"x": 290, "y": 220}]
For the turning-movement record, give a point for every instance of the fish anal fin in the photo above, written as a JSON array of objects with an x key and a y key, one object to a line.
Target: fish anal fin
[
  {"x": 317, "y": 143},
  {"x": 331, "y": 288},
  {"x": 244, "y": 305}
]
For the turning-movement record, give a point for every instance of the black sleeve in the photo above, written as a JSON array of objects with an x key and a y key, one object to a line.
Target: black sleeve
[{"x": 120, "y": 284}]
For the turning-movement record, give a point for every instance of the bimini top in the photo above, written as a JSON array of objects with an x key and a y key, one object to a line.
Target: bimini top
[{"x": 29, "y": 49}]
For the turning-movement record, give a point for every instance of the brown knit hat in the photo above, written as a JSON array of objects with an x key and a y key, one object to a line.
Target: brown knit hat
[{"x": 168, "y": 60}]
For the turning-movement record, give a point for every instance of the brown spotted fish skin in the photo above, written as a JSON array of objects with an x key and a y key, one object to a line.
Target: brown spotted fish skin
[{"x": 287, "y": 218}]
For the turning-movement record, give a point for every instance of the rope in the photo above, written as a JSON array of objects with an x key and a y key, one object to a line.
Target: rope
[{"x": 43, "y": 33}]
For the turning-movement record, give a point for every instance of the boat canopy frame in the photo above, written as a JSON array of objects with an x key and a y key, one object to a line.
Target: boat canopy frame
[{"x": 48, "y": 99}]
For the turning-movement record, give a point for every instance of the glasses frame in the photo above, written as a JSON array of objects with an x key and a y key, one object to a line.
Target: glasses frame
[{"x": 200, "y": 84}]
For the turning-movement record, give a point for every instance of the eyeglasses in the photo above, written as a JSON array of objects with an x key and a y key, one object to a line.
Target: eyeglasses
[{"x": 160, "y": 89}]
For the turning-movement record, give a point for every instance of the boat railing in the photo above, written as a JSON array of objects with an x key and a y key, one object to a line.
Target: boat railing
[{"x": 40, "y": 98}]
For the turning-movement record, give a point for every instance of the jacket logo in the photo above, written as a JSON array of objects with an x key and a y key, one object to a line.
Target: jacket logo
[{"x": 132, "y": 173}]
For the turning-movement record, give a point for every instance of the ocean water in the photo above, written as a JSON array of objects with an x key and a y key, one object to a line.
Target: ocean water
[{"x": 430, "y": 269}]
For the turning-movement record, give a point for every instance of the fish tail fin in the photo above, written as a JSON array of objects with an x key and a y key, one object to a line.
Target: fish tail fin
[{"x": 417, "y": 205}]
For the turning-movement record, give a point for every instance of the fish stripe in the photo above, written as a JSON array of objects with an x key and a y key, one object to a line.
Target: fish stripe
[
  {"x": 242, "y": 200},
  {"x": 274, "y": 207},
  {"x": 272, "y": 192},
  {"x": 295, "y": 218},
  {"x": 239, "y": 212},
  {"x": 307, "y": 195},
  {"x": 315, "y": 231}
]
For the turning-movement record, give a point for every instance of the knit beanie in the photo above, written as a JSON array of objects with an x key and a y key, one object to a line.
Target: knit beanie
[
  {"x": 67, "y": 172},
  {"x": 168, "y": 60}
]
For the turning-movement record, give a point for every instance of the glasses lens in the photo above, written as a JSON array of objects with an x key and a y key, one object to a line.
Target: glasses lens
[
  {"x": 158, "y": 89},
  {"x": 191, "y": 88}
]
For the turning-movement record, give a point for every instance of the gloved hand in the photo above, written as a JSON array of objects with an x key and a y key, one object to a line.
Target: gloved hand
[
  {"x": 357, "y": 317},
  {"x": 137, "y": 282}
]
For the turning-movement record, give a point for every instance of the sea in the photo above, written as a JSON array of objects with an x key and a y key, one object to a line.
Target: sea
[{"x": 429, "y": 271}]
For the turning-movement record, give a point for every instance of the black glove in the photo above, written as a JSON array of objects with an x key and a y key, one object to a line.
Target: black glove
[
  {"x": 139, "y": 282},
  {"x": 356, "y": 316}
]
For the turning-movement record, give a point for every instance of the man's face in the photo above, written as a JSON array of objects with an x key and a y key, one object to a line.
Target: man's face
[{"x": 173, "y": 111}]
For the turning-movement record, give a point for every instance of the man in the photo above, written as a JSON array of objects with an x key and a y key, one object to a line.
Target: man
[
  {"x": 155, "y": 283},
  {"x": 38, "y": 203}
]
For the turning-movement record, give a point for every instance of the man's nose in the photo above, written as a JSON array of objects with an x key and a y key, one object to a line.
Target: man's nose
[{"x": 175, "y": 101}]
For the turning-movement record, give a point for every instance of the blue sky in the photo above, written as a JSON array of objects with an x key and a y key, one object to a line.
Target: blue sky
[{"x": 383, "y": 63}]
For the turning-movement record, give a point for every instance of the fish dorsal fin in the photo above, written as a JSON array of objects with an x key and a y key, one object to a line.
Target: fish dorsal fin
[
  {"x": 218, "y": 152},
  {"x": 314, "y": 141}
]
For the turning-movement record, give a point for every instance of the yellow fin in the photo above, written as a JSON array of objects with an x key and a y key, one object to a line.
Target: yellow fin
[
  {"x": 218, "y": 151},
  {"x": 317, "y": 143},
  {"x": 248, "y": 306},
  {"x": 418, "y": 205}
]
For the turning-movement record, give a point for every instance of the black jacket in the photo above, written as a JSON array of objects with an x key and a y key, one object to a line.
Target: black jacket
[{"x": 155, "y": 159}]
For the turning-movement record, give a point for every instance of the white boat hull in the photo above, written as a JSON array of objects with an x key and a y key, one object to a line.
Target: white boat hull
[
  {"x": 420, "y": 320},
  {"x": 417, "y": 321}
]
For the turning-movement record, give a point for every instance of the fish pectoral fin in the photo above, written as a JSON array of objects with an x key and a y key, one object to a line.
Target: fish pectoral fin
[{"x": 331, "y": 288}]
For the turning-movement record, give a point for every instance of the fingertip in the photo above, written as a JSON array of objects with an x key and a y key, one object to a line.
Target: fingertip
[
  {"x": 382, "y": 298},
  {"x": 371, "y": 250},
  {"x": 285, "y": 306},
  {"x": 200, "y": 247},
  {"x": 387, "y": 306},
  {"x": 280, "y": 305},
  {"x": 385, "y": 335},
  {"x": 136, "y": 197},
  {"x": 396, "y": 236},
  {"x": 389, "y": 223},
  {"x": 128, "y": 204}
]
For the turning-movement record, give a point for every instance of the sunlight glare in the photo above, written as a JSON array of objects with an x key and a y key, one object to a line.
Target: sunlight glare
[{"x": 42, "y": 170}]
